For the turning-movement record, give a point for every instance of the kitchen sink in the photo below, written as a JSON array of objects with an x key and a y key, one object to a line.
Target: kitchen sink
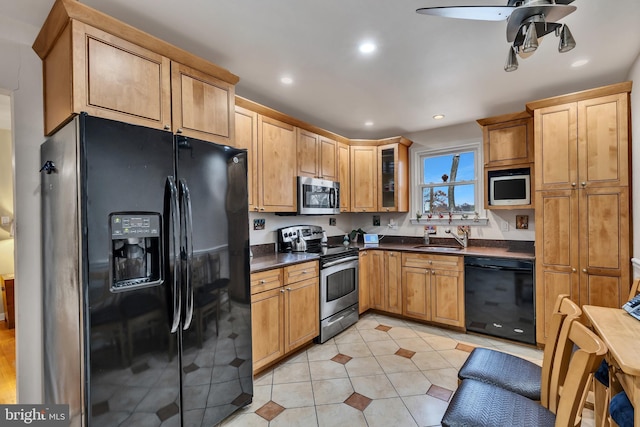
[{"x": 434, "y": 248}]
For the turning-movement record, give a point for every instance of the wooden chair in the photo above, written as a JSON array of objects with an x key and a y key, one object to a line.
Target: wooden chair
[
  {"x": 481, "y": 404},
  {"x": 514, "y": 373}
]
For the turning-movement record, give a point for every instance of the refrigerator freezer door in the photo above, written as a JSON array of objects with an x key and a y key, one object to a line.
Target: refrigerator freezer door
[
  {"x": 132, "y": 354},
  {"x": 217, "y": 345}
]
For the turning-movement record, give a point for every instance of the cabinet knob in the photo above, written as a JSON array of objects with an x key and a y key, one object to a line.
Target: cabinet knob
[
  {"x": 387, "y": 209},
  {"x": 433, "y": 272},
  {"x": 304, "y": 271},
  {"x": 364, "y": 210},
  {"x": 179, "y": 130},
  {"x": 263, "y": 281},
  {"x": 430, "y": 262},
  {"x": 584, "y": 270},
  {"x": 573, "y": 270},
  {"x": 282, "y": 291},
  {"x": 262, "y": 209},
  {"x": 583, "y": 183},
  {"x": 167, "y": 127},
  {"x": 573, "y": 184},
  {"x": 289, "y": 289},
  {"x": 256, "y": 208}
]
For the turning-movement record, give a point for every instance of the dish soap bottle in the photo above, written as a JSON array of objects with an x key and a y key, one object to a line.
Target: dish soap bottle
[
  {"x": 345, "y": 240},
  {"x": 323, "y": 240}
]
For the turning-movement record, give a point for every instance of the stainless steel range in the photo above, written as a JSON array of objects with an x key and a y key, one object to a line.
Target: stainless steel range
[{"x": 338, "y": 276}]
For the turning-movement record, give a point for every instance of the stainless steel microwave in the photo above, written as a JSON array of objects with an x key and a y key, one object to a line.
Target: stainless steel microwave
[
  {"x": 509, "y": 189},
  {"x": 318, "y": 196}
]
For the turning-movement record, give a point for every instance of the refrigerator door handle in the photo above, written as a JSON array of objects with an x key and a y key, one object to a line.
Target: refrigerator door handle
[
  {"x": 185, "y": 201},
  {"x": 174, "y": 223}
]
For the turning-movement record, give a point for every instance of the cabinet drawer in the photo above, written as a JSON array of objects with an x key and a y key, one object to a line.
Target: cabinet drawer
[
  {"x": 298, "y": 272},
  {"x": 440, "y": 262},
  {"x": 266, "y": 280}
]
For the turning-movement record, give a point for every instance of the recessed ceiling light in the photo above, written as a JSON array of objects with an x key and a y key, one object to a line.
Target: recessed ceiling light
[
  {"x": 367, "y": 47},
  {"x": 438, "y": 117},
  {"x": 369, "y": 123},
  {"x": 580, "y": 63},
  {"x": 286, "y": 80}
]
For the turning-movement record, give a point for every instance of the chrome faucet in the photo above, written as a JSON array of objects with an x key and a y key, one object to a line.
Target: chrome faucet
[{"x": 464, "y": 240}]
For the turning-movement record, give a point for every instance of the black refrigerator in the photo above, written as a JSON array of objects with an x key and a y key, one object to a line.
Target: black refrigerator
[{"x": 146, "y": 302}]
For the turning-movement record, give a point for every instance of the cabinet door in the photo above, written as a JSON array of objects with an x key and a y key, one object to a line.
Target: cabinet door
[
  {"x": 603, "y": 141},
  {"x": 328, "y": 157},
  {"x": 509, "y": 143},
  {"x": 277, "y": 190},
  {"x": 416, "y": 292},
  {"x": 556, "y": 145},
  {"x": 114, "y": 79},
  {"x": 557, "y": 253},
  {"x": 447, "y": 297},
  {"x": 393, "y": 188},
  {"x": 604, "y": 246},
  {"x": 267, "y": 327},
  {"x": 376, "y": 279},
  {"x": 363, "y": 179},
  {"x": 393, "y": 282},
  {"x": 246, "y": 123},
  {"x": 344, "y": 177},
  {"x": 302, "y": 312},
  {"x": 308, "y": 153},
  {"x": 364, "y": 278},
  {"x": 202, "y": 105}
]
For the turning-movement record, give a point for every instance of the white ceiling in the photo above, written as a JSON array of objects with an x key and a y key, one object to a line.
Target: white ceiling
[{"x": 424, "y": 65}]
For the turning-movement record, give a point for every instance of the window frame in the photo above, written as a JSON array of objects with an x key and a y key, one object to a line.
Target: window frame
[{"x": 417, "y": 184}]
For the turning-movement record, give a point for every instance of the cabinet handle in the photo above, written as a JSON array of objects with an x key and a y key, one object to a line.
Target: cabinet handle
[
  {"x": 167, "y": 127},
  {"x": 179, "y": 130},
  {"x": 583, "y": 183},
  {"x": 573, "y": 184}
]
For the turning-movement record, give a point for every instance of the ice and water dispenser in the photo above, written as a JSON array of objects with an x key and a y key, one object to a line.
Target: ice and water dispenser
[{"x": 136, "y": 250}]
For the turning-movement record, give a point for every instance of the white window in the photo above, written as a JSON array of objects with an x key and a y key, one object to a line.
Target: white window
[{"x": 448, "y": 181}]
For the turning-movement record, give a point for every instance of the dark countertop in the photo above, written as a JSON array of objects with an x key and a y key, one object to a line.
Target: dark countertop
[{"x": 275, "y": 260}]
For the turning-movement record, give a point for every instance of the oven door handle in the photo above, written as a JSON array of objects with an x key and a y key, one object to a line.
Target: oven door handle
[{"x": 340, "y": 261}]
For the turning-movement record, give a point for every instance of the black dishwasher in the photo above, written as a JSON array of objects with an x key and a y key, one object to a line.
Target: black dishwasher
[{"x": 499, "y": 297}]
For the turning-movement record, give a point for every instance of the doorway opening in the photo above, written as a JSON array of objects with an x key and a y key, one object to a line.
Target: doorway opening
[{"x": 7, "y": 313}]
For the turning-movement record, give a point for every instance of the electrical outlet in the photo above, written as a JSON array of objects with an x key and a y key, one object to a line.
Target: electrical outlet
[
  {"x": 505, "y": 225},
  {"x": 376, "y": 220}
]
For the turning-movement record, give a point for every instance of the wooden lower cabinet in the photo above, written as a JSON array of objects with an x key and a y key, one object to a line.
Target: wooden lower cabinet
[
  {"x": 376, "y": 280},
  {"x": 284, "y": 311},
  {"x": 364, "y": 281},
  {"x": 433, "y": 288},
  {"x": 393, "y": 282}
]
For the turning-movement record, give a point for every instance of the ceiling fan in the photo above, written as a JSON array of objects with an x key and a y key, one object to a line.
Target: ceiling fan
[{"x": 527, "y": 22}]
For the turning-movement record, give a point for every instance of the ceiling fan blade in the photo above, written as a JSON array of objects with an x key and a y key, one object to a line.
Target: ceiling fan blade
[{"x": 480, "y": 13}]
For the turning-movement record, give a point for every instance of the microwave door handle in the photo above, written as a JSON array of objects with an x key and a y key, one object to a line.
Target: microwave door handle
[{"x": 332, "y": 197}]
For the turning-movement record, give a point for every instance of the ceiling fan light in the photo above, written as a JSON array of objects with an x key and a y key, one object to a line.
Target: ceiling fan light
[
  {"x": 530, "y": 43},
  {"x": 512, "y": 61},
  {"x": 567, "y": 42}
]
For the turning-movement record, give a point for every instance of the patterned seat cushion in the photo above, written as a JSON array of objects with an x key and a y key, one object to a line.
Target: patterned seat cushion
[
  {"x": 503, "y": 370},
  {"x": 478, "y": 404}
]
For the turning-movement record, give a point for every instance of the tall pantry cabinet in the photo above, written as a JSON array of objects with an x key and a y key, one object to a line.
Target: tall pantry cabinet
[{"x": 582, "y": 154}]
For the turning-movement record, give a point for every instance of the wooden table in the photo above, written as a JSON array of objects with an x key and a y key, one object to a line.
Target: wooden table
[{"x": 621, "y": 334}]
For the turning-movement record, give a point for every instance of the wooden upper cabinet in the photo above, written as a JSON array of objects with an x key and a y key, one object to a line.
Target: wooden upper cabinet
[
  {"x": 364, "y": 175},
  {"x": 344, "y": 177},
  {"x": 277, "y": 189},
  {"x": 96, "y": 64},
  {"x": 202, "y": 105},
  {"x": 508, "y": 139},
  {"x": 393, "y": 178},
  {"x": 584, "y": 143},
  {"x": 246, "y": 137},
  {"x": 316, "y": 155}
]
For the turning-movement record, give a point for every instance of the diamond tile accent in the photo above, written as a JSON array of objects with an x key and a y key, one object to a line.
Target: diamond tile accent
[
  {"x": 383, "y": 328},
  {"x": 405, "y": 353},
  {"x": 190, "y": 368},
  {"x": 168, "y": 411},
  {"x": 236, "y": 362},
  {"x": 233, "y": 336},
  {"x": 439, "y": 392},
  {"x": 465, "y": 347},
  {"x": 358, "y": 401},
  {"x": 341, "y": 358},
  {"x": 270, "y": 410}
]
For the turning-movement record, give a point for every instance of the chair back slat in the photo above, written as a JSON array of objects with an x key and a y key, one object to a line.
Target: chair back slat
[
  {"x": 563, "y": 307},
  {"x": 635, "y": 288},
  {"x": 584, "y": 361}
]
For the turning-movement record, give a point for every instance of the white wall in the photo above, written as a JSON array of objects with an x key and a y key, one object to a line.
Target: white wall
[
  {"x": 21, "y": 75},
  {"x": 634, "y": 75},
  {"x": 6, "y": 201}
]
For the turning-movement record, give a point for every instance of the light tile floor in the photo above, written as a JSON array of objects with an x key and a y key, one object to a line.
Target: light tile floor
[{"x": 382, "y": 371}]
